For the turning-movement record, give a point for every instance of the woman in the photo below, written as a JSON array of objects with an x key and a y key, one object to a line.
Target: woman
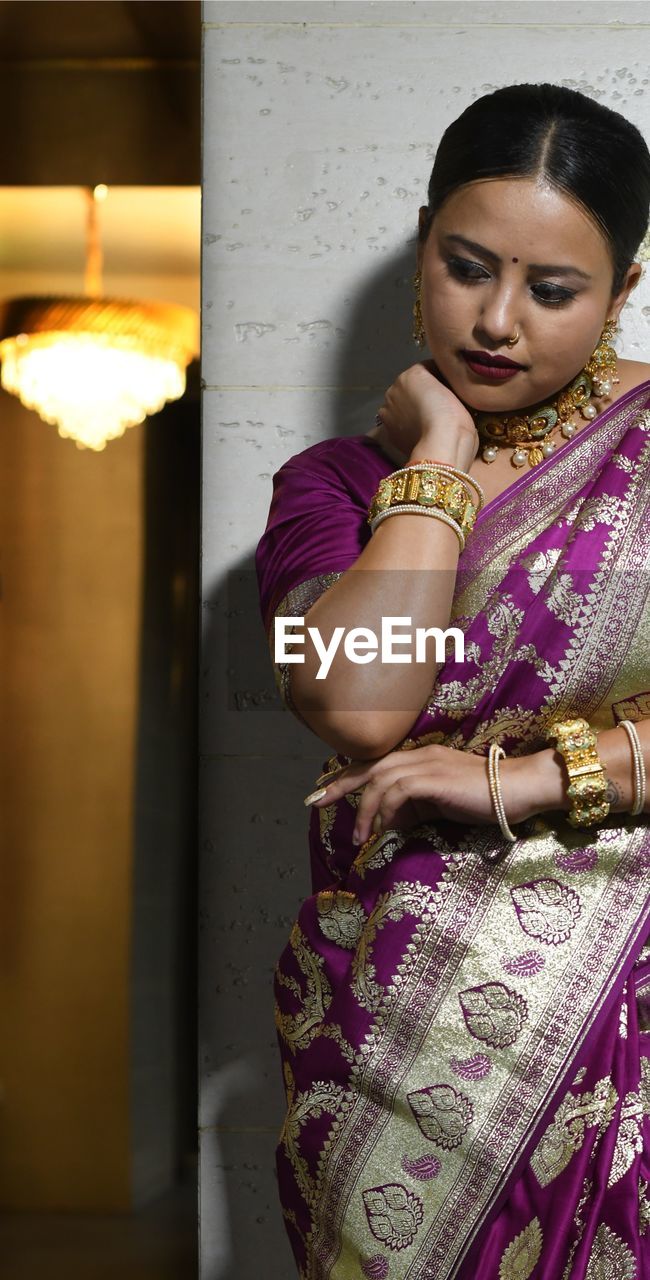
[{"x": 460, "y": 1006}]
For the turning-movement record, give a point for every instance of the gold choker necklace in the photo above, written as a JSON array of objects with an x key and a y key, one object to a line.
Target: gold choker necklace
[{"x": 527, "y": 433}]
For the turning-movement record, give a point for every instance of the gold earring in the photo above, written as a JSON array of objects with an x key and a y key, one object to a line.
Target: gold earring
[
  {"x": 601, "y": 366},
  {"x": 418, "y": 327}
]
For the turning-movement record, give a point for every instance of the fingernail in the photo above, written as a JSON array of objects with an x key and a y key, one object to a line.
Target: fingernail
[
  {"x": 315, "y": 795},
  {"x": 355, "y": 836}
]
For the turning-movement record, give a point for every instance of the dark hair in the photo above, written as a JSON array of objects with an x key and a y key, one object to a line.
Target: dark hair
[{"x": 579, "y": 146}]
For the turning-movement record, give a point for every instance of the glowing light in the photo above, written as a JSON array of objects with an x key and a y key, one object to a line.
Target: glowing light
[{"x": 93, "y": 367}]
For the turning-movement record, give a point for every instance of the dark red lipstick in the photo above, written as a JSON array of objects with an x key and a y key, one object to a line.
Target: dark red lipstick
[{"x": 493, "y": 368}]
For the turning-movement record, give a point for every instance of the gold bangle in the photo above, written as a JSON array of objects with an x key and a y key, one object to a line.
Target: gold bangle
[
  {"x": 464, "y": 475},
  {"x": 497, "y": 753},
  {"x": 587, "y": 789},
  {"x": 428, "y": 487},
  {"x": 407, "y": 508},
  {"x": 446, "y": 488},
  {"x": 638, "y": 764}
]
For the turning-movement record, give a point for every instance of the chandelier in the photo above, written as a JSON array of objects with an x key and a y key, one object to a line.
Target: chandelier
[{"x": 93, "y": 366}]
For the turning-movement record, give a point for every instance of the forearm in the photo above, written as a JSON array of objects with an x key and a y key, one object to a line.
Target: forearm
[
  {"x": 542, "y": 778},
  {"x": 407, "y": 570}
]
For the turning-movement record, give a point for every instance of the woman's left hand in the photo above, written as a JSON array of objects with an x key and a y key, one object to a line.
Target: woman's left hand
[{"x": 405, "y": 788}]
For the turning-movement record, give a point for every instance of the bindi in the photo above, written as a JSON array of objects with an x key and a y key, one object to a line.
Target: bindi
[{"x": 515, "y": 259}]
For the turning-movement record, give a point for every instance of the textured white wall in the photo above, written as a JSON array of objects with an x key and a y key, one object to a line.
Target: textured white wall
[{"x": 320, "y": 125}]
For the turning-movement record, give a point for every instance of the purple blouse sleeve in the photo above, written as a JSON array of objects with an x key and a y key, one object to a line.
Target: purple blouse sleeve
[
  {"x": 317, "y": 528},
  {"x": 317, "y": 525}
]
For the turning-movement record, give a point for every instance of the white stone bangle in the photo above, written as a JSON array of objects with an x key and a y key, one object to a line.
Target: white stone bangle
[
  {"x": 638, "y": 765},
  {"x": 411, "y": 508},
  {"x": 497, "y": 753}
]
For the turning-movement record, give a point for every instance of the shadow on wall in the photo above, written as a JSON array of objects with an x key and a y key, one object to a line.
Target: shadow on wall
[
  {"x": 163, "y": 934},
  {"x": 254, "y": 853}
]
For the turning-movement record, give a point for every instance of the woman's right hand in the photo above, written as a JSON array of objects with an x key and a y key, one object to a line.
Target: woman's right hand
[{"x": 420, "y": 413}]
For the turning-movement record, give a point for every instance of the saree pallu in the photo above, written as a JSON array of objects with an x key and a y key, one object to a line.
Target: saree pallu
[{"x": 463, "y": 1022}]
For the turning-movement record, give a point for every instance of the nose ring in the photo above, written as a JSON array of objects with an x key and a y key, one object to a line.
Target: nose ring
[{"x": 512, "y": 342}]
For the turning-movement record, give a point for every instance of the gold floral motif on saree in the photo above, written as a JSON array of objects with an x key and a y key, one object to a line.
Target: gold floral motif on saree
[
  {"x": 564, "y": 601},
  {"x": 520, "y": 722},
  {"x": 378, "y": 852},
  {"x": 579, "y": 1224},
  {"x": 341, "y": 917},
  {"x": 644, "y": 1085},
  {"x": 610, "y": 1257},
  {"x": 493, "y": 1013},
  {"x": 443, "y": 1114},
  {"x": 504, "y": 618},
  {"x": 326, "y": 817},
  {"x": 394, "y": 1214},
  {"x": 624, "y": 463},
  {"x": 522, "y": 1254},
  {"x": 622, "y": 1017},
  {"x": 299, "y": 1029},
  {"x": 289, "y": 1215},
  {"x": 568, "y": 1129},
  {"x": 322, "y": 1097},
  {"x": 576, "y": 1114},
  {"x": 561, "y": 598},
  {"x": 405, "y": 898},
  {"x": 539, "y": 566},
  {"x": 588, "y": 512},
  {"x": 644, "y": 1207},
  {"x": 629, "y": 1139},
  {"x": 547, "y": 910}
]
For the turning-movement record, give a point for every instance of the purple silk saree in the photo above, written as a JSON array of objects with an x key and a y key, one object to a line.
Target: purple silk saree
[{"x": 464, "y": 1023}]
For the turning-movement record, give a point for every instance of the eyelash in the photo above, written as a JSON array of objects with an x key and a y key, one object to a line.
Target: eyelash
[{"x": 468, "y": 272}]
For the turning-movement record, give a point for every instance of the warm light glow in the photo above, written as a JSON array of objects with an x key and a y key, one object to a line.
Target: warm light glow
[
  {"x": 93, "y": 367},
  {"x": 91, "y": 389}
]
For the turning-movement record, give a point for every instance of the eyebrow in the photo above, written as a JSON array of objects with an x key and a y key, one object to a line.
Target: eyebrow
[{"x": 532, "y": 266}]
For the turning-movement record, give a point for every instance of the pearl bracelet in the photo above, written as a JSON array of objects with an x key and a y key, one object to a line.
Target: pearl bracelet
[
  {"x": 639, "y": 767},
  {"x": 497, "y": 753},
  {"x": 408, "y": 508}
]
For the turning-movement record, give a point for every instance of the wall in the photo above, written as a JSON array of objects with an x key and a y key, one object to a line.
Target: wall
[
  {"x": 320, "y": 125},
  {"x": 163, "y": 883}
]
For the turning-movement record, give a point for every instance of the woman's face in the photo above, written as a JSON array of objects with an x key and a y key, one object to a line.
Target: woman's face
[{"x": 514, "y": 255}]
